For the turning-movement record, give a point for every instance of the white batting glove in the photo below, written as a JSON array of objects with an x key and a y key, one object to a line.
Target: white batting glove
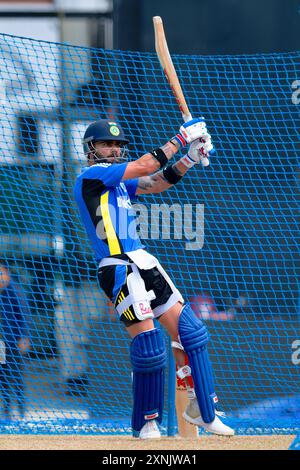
[
  {"x": 199, "y": 152},
  {"x": 190, "y": 131}
]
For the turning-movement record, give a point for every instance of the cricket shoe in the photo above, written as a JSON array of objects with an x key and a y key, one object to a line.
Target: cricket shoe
[
  {"x": 150, "y": 430},
  {"x": 192, "y": 415}
]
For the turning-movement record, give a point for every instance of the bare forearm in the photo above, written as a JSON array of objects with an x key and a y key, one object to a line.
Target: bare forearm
[
  {"x": 153, "y": 184},
  {"x": 169, "y": 150},
  {"x": 157, "y": 183},
  {"x": 148, "y": 163},
  {"x": 180, "y": 168}
]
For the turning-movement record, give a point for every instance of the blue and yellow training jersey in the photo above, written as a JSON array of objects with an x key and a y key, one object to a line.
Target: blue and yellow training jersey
[{"x": 105, "y": 209}]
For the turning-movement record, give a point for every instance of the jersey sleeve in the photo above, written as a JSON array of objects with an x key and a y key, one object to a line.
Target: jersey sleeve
[
  {"x": 131, "y": 186},
  {"x": 109, "y": 175}
]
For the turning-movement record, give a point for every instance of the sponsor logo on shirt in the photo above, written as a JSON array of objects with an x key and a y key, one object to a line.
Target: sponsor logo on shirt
[{"x": 124, "y": 201}]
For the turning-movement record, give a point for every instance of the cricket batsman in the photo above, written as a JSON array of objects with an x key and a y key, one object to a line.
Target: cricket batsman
[{"x": 134, "y": 280}]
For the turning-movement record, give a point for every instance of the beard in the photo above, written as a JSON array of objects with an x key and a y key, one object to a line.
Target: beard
[{"x": 113, "y": 157}]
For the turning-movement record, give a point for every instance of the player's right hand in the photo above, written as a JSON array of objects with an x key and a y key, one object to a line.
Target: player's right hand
[
  {"x": 191, "y": 131},
  {"x": 199, "y": 151}
]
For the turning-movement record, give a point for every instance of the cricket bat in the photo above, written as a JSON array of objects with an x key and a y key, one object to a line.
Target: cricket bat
[
  {"x": 185, "y": 429},
  {"x": 166, "y": 63}
]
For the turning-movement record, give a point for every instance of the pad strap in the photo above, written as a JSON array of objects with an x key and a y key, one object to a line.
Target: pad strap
[{"x": 177, "y": 345}]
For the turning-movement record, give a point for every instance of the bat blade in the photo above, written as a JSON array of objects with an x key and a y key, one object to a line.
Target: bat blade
[
  {"x": 185, "y": 429},
  {"x": 167, "y": 65}
]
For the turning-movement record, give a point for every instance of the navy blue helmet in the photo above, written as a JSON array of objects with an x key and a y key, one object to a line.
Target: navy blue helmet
[{"x": 103, "y": 130}]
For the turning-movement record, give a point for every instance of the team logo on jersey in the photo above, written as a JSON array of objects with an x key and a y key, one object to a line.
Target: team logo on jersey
[{"x": 113, "y": 129}]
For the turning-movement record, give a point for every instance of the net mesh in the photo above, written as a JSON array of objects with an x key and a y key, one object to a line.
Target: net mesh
[{"x": 240, "y": 275}]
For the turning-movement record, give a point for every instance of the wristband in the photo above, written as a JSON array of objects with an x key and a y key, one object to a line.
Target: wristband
[
  {"x": 180, "y": 140},
  {"x": 187, "y": 161},
  {"x": 174, "y": 142},
  {"x": 160, "y": 156},
  {"x": 171, "y": 176}
]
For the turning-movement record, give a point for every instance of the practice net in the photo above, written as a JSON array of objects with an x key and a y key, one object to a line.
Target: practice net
[{"x": 241, "y": 277}]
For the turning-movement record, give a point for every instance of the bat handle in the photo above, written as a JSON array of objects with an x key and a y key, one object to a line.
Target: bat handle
[
  {"x": 187, "y": 117},
  {"x": 204, "y": 160}
]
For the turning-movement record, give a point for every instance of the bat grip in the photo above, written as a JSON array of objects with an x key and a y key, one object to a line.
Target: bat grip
[{"x": 187, "y": 117}]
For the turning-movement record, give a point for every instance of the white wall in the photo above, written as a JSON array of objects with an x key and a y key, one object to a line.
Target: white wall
[
  {"x": 46, "y": 29},
  {"x": 100, "y": 6}
]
